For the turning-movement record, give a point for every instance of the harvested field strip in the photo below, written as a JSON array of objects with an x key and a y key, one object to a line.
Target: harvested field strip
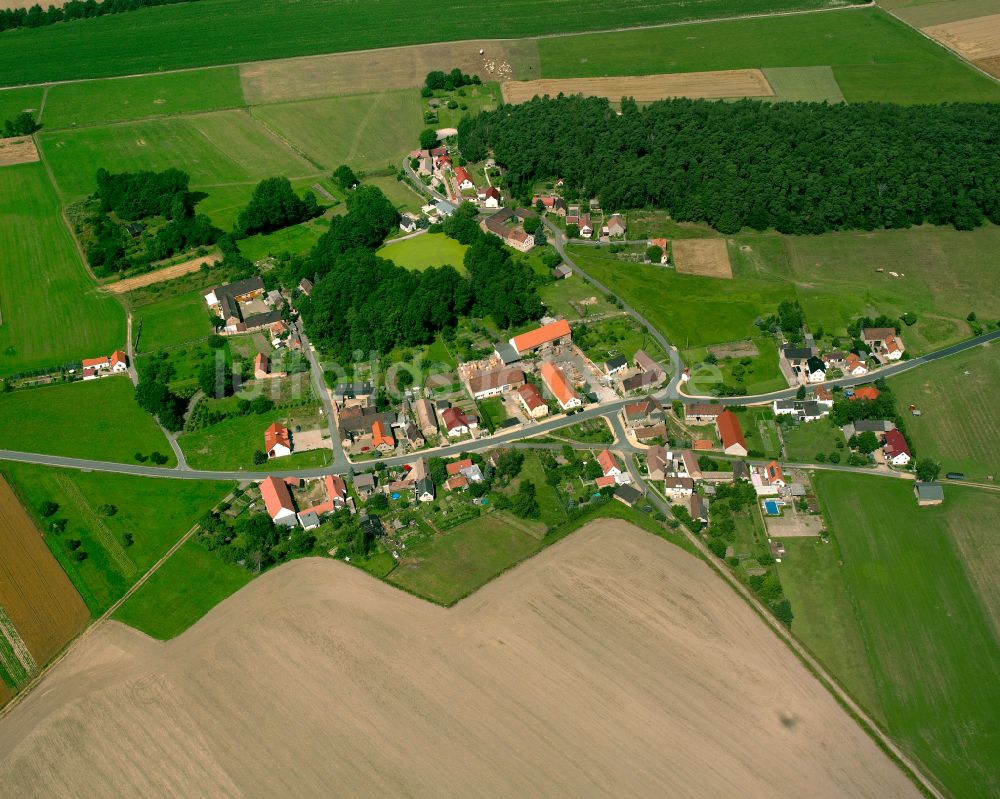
[
  {"x": 647, "y": 88},
  {"x": 160, "y": 275},
  {"x": 16, "y": 663},
  {"x": 385, "y": 69},
  {"x": 938, "y": 12},
  {"x": 807, "y": 84},
  {"x": 704, "y": 257},
  {"x": 970, "y": 38},
  {"x": 18, "y": 151},
  {"x": 104, "y": 536}
]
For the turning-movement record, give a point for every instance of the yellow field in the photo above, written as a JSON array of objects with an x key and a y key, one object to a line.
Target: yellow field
[
  {"x": 20, "y": 150},
  {"x": 647, "y": 88},
  {"x": 976, "y": 39},
  {"x": 705, "y": 257}
]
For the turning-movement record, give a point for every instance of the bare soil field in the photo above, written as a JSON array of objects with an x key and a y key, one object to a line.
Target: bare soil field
[
  {"x": 610, "y": 664},
  {"x": 705, "y": 257},
  {"x": 35, "y": 594},
  {"x": 735, "y": 349},
  {"x": 647, "y": 88},
  {"x": 20, "y": 150},
  {"x": 160, "y": 275},
  {"x": 370, "y": 71},
  {"x": 977, "y": 40},
  {"x": 6, "y": 5}
]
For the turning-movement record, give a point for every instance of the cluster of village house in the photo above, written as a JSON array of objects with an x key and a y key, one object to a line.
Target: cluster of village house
[
  {"x": 246, "y": 307},
  {"x": 805, "y": 364},
  {"x": 104, "y": 365}
]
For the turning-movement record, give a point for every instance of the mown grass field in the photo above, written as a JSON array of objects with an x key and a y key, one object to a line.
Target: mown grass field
[
  {"x": 873, "y": 56},
  {"x": 171, "y": 321},
  {"x": 185, "y": 588},
  {"x": 429, "y": 249},
  {"x": 399, "y": 193},
  {"x": 959, "y": 401},
  {"x": 228, "y": 31},
  {"x": 14, "y": 101},
  {"x": 366, "y": 131},
  {"x": 297, "y": 240},
  {"x": 804, "y": 441},
  {"x": 926, "y": 615},
  {"x": 96, "y": 419},
  {"x": 100, "y": 102},
  {"x": 50, "y": 310},
  {"x": 156, "y": 511}
]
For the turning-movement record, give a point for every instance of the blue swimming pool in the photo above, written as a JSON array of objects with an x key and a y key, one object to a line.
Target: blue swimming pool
[
  {"x": 773, "y": 507},
  {"x": 394, "y": 495}
]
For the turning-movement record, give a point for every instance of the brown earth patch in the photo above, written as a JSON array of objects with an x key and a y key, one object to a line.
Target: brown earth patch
[
  {"x": 371, "y": 71},
  {"x": 20, "y": 150},
  {"x": 160, "y": 275},
  {"x": 35, "y": 593},
  {"x": 612, "y": 663},
  {"x": 647, "y": 88},
  {"x": 974, "y": 39},
  {"x": 990, "y": 65},
  {"x": 735, "y": 349},
  {"x": 705, "y": 257}
]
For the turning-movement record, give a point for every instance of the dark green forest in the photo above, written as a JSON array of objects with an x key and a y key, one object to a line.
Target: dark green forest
[
  {"x": 794, "y": 167},
  {"x": 37, "y": 17}
]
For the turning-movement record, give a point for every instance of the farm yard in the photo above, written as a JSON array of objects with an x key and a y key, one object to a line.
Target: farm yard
[
  {"x": 924, "y": 597},
  {"x": 646, "y": 88},
  {"x": 40, "y": 611},
  {"x": 157, "y": 39},
  {"x": 78, "y": 321},
  {"x": 95, "y": 419},
  {"x": 959, "y": 422},
  {"x": 151, "y": 515}
]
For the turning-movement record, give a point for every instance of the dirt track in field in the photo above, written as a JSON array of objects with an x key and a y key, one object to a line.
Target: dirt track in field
[
  {"x": 20, "y": 150},
  {"x": 160, "y": 275},
  {"x": 976, "y": 39},
  {"x": 372, "y": 71},
  {"x": 35, "y": 593},
  {"x": 705, "y": 257},
  {"x": 611, "y": 664},
  {"x": 647, "y": 88}
]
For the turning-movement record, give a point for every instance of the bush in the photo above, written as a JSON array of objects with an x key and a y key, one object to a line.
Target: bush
[
  {"x": 107, "y": 510},
  {"x": 48, "y": 508},
  {"x": 718, "y": 547}
]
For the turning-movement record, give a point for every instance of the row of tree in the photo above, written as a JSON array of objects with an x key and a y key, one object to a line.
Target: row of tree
[
  {"x": 448, "y": 81},
  {"x": 795, "y": 167},
  {"x": 37, "y": 17},
  {"x": 22, "y": 125}
]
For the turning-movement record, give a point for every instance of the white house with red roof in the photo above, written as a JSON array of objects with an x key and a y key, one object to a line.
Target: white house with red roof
[
  {"x": 895, "y": 449},
  {"x": 104, "y": 365},
  {"x": 610, "y": 467},
  {"x": 277, "y": 442},
  {"x": 456, "y": 422},
  {"x": 490, "y": 198},
  {"x": 278, "y": 502},
  {"x": 463, "y": 179}
]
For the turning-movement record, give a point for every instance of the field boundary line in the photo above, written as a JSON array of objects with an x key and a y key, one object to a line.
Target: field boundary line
[
  {"x": 104, "y": 535},
  {"x": 457, "y": 42},
  {"x": 301, "y": 153},
  {"x": 943, "y": 46},
  {"x": 23, "y": 663}
]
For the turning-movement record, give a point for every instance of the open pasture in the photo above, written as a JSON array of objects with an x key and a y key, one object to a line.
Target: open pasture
[
  {"x": 385, "y": 69},
  {"x": 35, "y": 594},
  {"x": 704, "y": 257},
  {"x": 18, "y": 150},
  {"x": 646, "y": 88},
  {"x": 155, "y": 511},
  {"x": 171, "y": 321},
  {"x": 97, "y": 102},
  {"x": 426, "y": 250},
  {"x": 959, "y": 402},
  {"x": 229, "y": 32},
  {"x": 297, "y": 240},
  {"x": 96, "y": 419},
  {"x": 805, "y": 84},
  {"x": 14, "y": 101},
  {"x": 923, "y": 617},
  {"x": 369, "y": 131},
  {"x": 51, "y": 313},
  {"x": 873, "y": 56}
]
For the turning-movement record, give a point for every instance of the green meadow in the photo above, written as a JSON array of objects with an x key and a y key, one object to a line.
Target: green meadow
[
  {"x": 14, "y": 101},
  {"x": 185, "y": 588},
  {"x": 70, "y": 105},
  {"x": 214, "y": 32},
  {"x": 873, "y": 56},
  {"x": 51, "y": 312},
  {"x": 155, "y": 511},
  {"x": 171, "y": 321},
  {"x": 297, "y": 240},
  {"x": 95, "y": 419},
  {"x": 367, "y": 131},
  {"x": 906, "y": 614},
  {"x": 426, "y": 250}
]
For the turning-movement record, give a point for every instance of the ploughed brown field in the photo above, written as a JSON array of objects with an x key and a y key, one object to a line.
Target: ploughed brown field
[
  {"x": 647, "y": 88},
  {"x": 20, "y": 150},
  {"x": 35, "y": 593},
  {"x": 611, "y": 664},
  {"x": 705, "y": 257},
  {"x": 976, "y": 39},
  {"x": 160, "y": 275}
]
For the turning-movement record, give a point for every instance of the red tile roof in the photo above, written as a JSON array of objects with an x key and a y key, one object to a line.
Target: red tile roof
[
  {"x": 865, "y": 393},
  {"x": 453, "y": 417},
  {"x": 604, "y": 482},
  {"x": 895, "y": 444},
  {"x": 276, "y": 434},
  {"x": 335, "y": 486},
  {"x": 729, "y": 430},
  {"x": 91, "y": 363},
  {"x": 458, "y": 481},
  {"x": 457, "y": 466},
  {"x": 118, "y": 356},
  {"x": 607, "y": 461},
  {"x": 541, "y": 335},
  {"x": 774, "y": 473},
  {"x": 461, "y": 175},
  {"x": 531, "y": 396},
  {"x": 276, "y": 496},
  {"x": 381, "y": 437},
  {"x": 557, "y": 382}
]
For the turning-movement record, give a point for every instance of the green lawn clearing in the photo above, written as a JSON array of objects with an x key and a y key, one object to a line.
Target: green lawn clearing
[
  {"x": 426, "y": 250},
  {"x": 155, "y": 511},
  {"x": 14, "y": 101},
  {"x": 399, "y": 193},
  {"x": 295, "y": 240},
  {"x": 803, "y": 442},
  {"x": 366, "y": 131},
  {"x": 549, "y": 501},
  {"x": 98, "y": 102},
  {"x": 185, "y": 588},
  {"x": 574, "y": 298},
  {"x": 873, "y": 56},
  {"x": 51, "y": 313},
  {"x": 171, "y": 321},
  {"x": 96, "y": 419},
  {"x": 923, "y": 616},
  {"x": 959, "y": 403}
]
